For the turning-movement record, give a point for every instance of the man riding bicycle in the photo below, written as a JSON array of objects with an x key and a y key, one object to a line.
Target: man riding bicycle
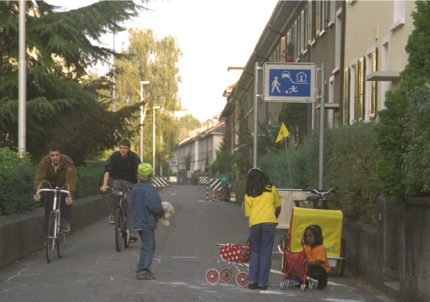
[
  {"x": 57, "y": 170},
  {"x": 122, "y": 167}
]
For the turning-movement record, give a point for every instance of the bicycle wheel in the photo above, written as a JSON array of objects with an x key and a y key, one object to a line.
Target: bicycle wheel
[
  {"x": 61, "y": 244},
  {"x": 50, "y": 239},
  {"x": 126, "y": 238},
  {"x": 118, "y": 230}
]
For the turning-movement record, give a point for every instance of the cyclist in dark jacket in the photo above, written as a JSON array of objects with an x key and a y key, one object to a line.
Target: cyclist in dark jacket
[
  {"x": 122, "y": 167},
  {"x": 146, "y": 206}
]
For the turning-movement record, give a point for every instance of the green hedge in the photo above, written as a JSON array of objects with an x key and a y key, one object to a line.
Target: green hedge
[
  {"x": 349, "y": 164},
  {"x": 16, "y": 182}
]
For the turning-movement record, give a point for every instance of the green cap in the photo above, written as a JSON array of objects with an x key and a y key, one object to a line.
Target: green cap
[{"x": 144, "y": 169}]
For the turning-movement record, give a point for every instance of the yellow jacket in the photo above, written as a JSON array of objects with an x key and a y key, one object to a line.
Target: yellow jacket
[{"x": 261, "y": 209}]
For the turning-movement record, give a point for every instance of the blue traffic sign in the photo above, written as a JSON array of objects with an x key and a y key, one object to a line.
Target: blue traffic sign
[{"x": 289, "y": 82}]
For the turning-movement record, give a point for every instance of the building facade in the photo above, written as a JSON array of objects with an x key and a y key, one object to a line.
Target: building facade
[{"x": 199, "y": 150}]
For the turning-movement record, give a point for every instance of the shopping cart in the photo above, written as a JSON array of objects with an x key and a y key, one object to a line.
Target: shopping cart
[{"x": 233, "y": 256}]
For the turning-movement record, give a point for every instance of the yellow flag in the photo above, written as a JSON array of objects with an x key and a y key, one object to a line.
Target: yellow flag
[{"x": 283, "y": 133}]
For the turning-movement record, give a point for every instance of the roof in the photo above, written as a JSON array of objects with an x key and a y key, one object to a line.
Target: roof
[{"x": 217, "y": 129}]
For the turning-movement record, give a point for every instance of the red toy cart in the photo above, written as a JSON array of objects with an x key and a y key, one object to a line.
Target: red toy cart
[{"x": 234, "y": 256}]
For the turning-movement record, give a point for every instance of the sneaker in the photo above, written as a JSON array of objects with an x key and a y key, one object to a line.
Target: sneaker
[
  {"x": 111, "y": 219},
  {"x": 253, "y": 286},
  {"x": 65, "y": 228},
  {"x": 262, "y": 287},
  {"x": 145, "y": 275},
  {"x": 132, "y": 239}
]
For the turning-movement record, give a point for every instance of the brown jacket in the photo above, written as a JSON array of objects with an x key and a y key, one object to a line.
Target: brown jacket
[{"x": 66, "y": 173}]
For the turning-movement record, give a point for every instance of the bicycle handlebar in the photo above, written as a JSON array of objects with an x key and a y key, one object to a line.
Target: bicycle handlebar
[
  {"x": 53, "y": 190},
  {"x": 321, "y": 193}
]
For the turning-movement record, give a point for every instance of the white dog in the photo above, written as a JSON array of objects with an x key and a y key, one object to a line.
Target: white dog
[{"x": 168, "y": 213}]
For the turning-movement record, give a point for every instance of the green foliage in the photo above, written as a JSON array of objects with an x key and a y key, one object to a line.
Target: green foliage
[
  {"x": 224, "y": 159},
  {"x": 16, "y": 183},
  {"x": 155, "y": 60},
  {"x": 90, "y": 178},
  {"x": 187, "y": 162},
  {"x": 186, "y": 124},
  {"x": 62, "y": 102},
  {"x": 349, "y": 164},
  {"x": 402, "y": 135}
]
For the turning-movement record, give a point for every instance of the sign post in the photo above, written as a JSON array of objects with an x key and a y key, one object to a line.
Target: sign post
[{"x": 296, "y": 83}]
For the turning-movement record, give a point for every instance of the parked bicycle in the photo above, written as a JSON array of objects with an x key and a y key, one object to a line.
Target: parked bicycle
[
  {"x": 122, "y": 234},
  {"x": 55, "y": 237},
  {"x": 221, "y": 195},
  {"x": 316, "y": 200}
]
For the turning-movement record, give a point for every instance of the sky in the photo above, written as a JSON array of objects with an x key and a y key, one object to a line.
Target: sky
[{"x": 212, "y": 35}]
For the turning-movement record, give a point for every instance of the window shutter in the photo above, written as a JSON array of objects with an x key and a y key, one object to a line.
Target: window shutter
[
  {"x": 346, "y": 96},
  {"x": 373, "y": 84},
  {"x": 283, "y": 49}
]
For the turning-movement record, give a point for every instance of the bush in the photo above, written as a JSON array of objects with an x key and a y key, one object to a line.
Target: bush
[
  {"x": 16, "y": 183},
  {"x": 349, "y": 164},
  {"x": 90, "y": 178}
]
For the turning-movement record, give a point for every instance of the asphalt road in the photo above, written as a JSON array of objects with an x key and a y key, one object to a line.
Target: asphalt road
[{"x": 92, "y": 270}]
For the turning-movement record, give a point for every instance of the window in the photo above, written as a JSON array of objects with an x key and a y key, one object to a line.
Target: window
[
  {"x": 399, "y": 7},
  {"x": 283, "y": 52},
  {"x": 345, "y": 104},
  {"x": 318, "y": 27},
  {"x": 359, "y": 89},
  {"x": 310, "y": 25},
  {"x": 332, "y": 9},
  {"x": 338, "y": 41},
  {"x": 330, "y": 98},
  {"x": 373, "y": 84}
]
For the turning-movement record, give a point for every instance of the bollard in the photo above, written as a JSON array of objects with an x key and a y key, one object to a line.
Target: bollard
[{"x": 207, "y": 192}]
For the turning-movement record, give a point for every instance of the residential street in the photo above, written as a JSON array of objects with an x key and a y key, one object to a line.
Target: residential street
[{"x": 92, "y": 270}]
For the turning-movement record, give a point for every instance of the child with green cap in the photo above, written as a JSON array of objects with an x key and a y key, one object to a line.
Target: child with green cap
[{"x": 146, "y": 207}]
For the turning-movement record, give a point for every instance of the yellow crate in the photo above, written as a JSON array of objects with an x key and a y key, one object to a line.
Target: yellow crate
[{"x": 330, "y": 222}]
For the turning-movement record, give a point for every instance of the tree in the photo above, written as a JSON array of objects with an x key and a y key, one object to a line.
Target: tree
[
  {"x": 155, "y": 60},
  {"x": 62, "y": 100},
  {"x": 186, "y": 124},
  {"x": 403, "y": 134}
]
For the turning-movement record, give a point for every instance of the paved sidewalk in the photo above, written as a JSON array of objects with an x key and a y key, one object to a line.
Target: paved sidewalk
[{"x": 92, "y": 270}]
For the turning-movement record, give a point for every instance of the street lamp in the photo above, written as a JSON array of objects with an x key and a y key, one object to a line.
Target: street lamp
[
  {"x": 142, "y": 83},
  {"x": 153, "y": 135}
]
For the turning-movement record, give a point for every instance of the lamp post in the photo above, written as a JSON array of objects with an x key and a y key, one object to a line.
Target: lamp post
[
  {"x": 142, "y": 83},
  {"x": 153, "y": 135}
]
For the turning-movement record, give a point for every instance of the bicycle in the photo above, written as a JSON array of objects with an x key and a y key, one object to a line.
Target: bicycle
[
  {"x": 316, "y": 200},
  {"x": 54, "y": 237},
  {"x": 121, "y": 231},
  {"x": 221, "y": 195}
]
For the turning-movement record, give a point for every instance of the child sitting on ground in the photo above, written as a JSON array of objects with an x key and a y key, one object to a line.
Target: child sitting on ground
[{"x": 316, "y": 255}]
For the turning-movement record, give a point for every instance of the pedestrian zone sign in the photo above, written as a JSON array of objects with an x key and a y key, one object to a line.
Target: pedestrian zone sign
[{"x": 289, "y": 82}]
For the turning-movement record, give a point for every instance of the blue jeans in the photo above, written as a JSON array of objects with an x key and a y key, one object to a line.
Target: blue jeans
[
  {"x": 262, "y": 239},
  {"x": 147, "y": 249}
]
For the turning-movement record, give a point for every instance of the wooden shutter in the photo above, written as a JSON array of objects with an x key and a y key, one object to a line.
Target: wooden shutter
[
  {"x": 373, "y": 84},
  {"x": 346, "y": 96}
]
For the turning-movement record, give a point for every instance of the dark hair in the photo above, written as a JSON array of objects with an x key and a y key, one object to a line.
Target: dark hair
[
  {"x": 256, "y": 183},
  {"x": 124, "y": 142},
  {"x": 53, "y": 147},
  {"x": 316, "y": 230}
]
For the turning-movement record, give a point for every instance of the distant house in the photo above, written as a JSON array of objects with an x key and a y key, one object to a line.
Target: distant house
[{"x": 200, "y": 148}]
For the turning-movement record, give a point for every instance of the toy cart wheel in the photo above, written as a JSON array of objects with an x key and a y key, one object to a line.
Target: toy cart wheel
[
  {"x": 283, "y": 285},
  {"x": 303, "y": 287},
  {"x": 226, "y": 274},
  {"x": 212, "y": 276},
  {"x": 242, "y": 279}
]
